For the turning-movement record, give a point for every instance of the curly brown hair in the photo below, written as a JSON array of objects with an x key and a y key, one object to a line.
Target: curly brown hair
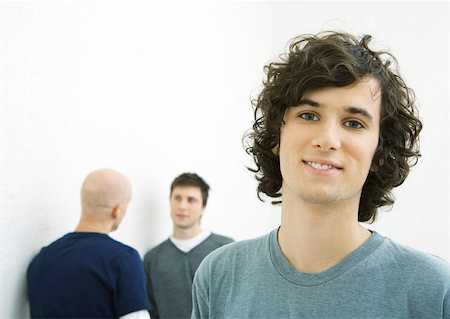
[{"x": 334, "y": 59}]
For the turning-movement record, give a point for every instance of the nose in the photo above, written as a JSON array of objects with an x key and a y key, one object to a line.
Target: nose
[
  {"x": 327, "y": 137},
  {"x": 182, "y": 204}
]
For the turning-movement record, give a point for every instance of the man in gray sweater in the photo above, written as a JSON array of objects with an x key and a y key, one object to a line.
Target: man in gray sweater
[
  {"x": 335, "y": 130},
  {"x": 170, "y": 266}
]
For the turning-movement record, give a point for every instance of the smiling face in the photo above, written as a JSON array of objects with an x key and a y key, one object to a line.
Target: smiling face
[
  {"x": 186, "y": 205},
  {"x": 328, "y": 141}
]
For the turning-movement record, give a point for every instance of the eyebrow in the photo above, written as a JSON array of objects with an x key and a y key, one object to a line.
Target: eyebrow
[
  {"x": 188, "y": 197},
  {"x": 349, "y": 109},
  {"x": 358, "y": 110},
  {"x": 308, "y": 102}
]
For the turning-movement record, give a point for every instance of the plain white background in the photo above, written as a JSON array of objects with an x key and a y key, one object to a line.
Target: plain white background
[{"x": 156, "y": 89}]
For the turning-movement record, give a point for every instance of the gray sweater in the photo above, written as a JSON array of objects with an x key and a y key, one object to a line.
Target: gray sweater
[
  {"x": 170, "y": 271},
  {"x": 380, "y": 279}
]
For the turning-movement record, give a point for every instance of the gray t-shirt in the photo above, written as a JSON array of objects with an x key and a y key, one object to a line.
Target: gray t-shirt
[{"x": 380, "y": 279}]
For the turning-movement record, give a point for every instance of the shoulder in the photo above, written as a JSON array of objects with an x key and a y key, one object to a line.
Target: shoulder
[
  {"x": 417, "y": 264},
  {"x": 240, "y": 252},
  {"x": 230, "y": 264},
  {"x": 118, "y": 253},
  {"x": 220, "y": 239},
  {"x": 158, "y": 249},
  {"x": 58, "y": 243},
  {"x": 118, "y": 246},
  {"x": 89, "y": 244}
]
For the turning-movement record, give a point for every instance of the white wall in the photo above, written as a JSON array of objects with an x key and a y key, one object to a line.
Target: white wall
[{"x": 157, "y": 89}]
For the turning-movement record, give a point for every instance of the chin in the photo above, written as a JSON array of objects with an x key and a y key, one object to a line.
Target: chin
[
  {"x": 321, "y": 198},
  {"x": 184, "y": 226}
]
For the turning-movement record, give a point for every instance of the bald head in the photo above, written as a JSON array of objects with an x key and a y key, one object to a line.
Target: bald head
[{"x": 103, "y": 190}]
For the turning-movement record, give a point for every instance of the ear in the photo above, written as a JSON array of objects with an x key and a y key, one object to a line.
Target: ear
[
  {"x": 116, "y": 212},
  {"x": 377, "y": 160},
  {"x": 201, "y": 214},
  {"x": 276, "y": 150}
]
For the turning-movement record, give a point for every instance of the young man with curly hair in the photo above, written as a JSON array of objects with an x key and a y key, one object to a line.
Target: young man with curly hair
[{"x": 335, "y": 130}]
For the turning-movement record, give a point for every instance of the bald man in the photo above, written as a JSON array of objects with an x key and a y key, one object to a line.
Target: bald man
[{"x": 87, "y": 274}]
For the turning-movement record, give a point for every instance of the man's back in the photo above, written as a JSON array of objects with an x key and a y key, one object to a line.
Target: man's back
[{"x": 86, "y": 275}]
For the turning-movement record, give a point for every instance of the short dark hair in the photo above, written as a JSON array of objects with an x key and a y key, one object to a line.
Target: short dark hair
[
  {"x": 191, "y": 179},
  {"x": 334, "y": 59}
]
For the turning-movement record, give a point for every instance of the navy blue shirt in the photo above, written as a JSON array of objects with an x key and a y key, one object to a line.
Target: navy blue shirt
[{"x": 86, "y": 275}]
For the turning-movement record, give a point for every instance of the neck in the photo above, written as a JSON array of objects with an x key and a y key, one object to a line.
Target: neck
[
  {"x": 186, "y": 233},
  {"x": 87, "y": 225},
  {"x": 316, "y": 237}
]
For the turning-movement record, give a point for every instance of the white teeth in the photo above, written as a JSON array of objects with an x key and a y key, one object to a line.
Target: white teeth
[{"x": 320, "y": 166}]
